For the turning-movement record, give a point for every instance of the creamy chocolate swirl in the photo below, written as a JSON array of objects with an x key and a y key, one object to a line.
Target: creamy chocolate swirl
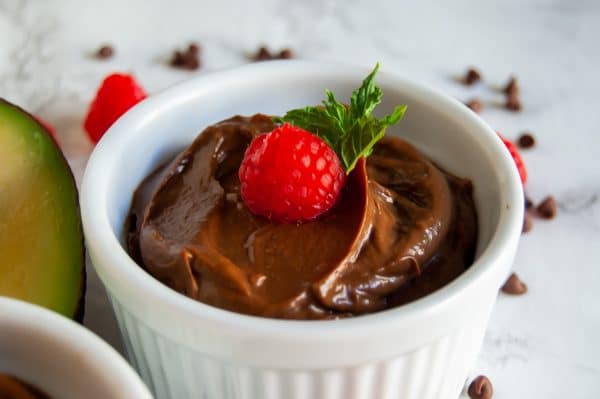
[{"x": 402, "y": 228}]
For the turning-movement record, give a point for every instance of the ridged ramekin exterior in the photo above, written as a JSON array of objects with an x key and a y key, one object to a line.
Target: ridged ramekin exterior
[{"x": 175, "y": 371}]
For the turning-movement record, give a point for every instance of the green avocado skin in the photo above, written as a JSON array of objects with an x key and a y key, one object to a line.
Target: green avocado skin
[{"x": 42, "y": 264}]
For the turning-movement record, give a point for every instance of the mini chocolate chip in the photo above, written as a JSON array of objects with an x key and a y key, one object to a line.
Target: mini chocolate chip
[
  {"x": 262, "y": 54},
  {"x": 547, "y": 208},
  {"x": 472, "y": 76},
  {"x": 527, "y": 223},
  {"x": 286, "y": 54},
  {"x": 192, "y": 63},
  {"x": 526, "y": 140},
  {"x": 475, "y": 105},
  {"x": 194, "y": 48},
  {"x": 188, "y": 59},
  {"x": 512, "y": 87},
  {"x": 513, "y": 103},
  {"x": 105, "y": 52},
  {"x": 178, "y": 58},
  {"x": 528, "y": 202},
  {"x": 481, "y": 388},
  {"x": 514, "y": 285}
]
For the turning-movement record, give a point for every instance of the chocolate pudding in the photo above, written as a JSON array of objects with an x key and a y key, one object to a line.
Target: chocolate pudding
[
  {"x": 401, "y": 229},
  {"x": 14, "y": 388}
]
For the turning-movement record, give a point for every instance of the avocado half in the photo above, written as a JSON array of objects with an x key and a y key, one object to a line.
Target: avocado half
[{"x": 42, "y": 256}]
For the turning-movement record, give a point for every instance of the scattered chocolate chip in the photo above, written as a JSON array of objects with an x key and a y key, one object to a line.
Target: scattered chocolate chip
[
  {"x": 512, "y": 87},
  {"x": 194, "y": 48},
  {"x": 188, "y": 59},
  {"x": 105, "y": 52},
  {"x": 178, "y": 58},
  {"x": 527, "y": 223},
  {"x": 286, "y": 54},
  {"x": 547, "y": 208},
  {"x": 263, "y": 54},
  {"x": 481, "y": 388},
  {"x": 473, "y": 76},
  {"x": 526, "y": 140},
  {"x": 513, "y": 103},
  {"x": 193, "y": 64},
  {"x": 475, "y": 105},
  {"x": 514, "y": 285},
  {"x": 528, "y": 202}
]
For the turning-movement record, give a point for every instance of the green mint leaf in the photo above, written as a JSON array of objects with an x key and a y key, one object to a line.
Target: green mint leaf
[
  {"x": 395, "y": 116},
  {"x": 359, "y": 142},
  {"x": 352, "y": 130},
  {"x": 316, "y": 120},
  {"x": 336, "y": 110},
  {"x": 364, "y": 100}
]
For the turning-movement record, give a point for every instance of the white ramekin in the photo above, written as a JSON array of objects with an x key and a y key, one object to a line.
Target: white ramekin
[
  {"x": 60, "y": 357},
  {"x": 185, "y": 349}
]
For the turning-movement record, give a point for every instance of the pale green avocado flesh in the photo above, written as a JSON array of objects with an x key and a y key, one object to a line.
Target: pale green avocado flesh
[{"x": 41, "y": 244}]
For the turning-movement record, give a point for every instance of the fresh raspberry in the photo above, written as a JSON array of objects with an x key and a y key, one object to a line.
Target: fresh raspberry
[
  {"x": 290, "y": 175},
  {"x": 116, "y": 95},
  {"x": 514, "y": 153}
]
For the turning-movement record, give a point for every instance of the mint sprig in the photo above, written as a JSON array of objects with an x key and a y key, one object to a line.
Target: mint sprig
[{"x": 351, "y": 131}]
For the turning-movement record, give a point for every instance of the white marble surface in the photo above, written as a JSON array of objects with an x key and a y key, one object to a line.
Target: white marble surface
[{"x": 544, "y": 344}]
